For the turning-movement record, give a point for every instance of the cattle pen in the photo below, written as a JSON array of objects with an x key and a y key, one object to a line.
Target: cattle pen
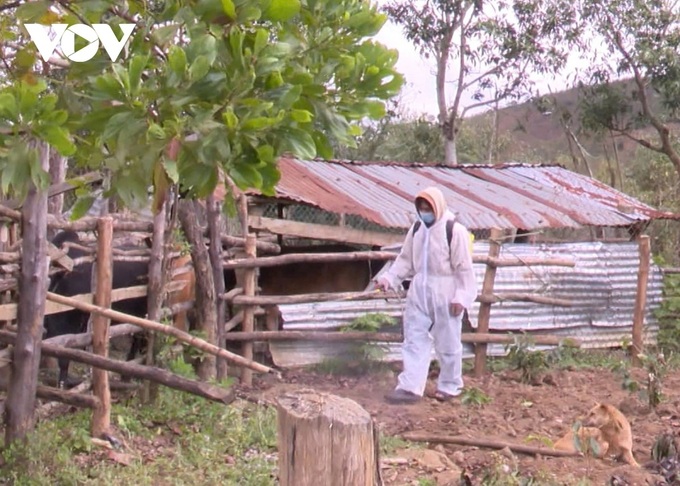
[{"x": 239, "y": 315}]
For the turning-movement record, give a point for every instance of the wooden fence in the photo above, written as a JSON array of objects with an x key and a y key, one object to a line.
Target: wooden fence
[
  {"x": 251, "y": 306},
  {"x": 251, "y": 303}
]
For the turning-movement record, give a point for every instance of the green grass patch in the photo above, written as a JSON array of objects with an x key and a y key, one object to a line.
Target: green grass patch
[{"x": 180, "y": 440}]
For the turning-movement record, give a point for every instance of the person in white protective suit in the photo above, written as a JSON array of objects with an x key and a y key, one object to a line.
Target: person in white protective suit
[{"x": 442, "y": 286}]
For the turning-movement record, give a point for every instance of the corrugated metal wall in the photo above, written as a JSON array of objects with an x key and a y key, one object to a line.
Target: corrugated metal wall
[{"x": 602, "y": 286}]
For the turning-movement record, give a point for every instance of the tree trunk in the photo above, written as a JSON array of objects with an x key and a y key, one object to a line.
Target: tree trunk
[
  {"x": 157, "y": 266},
  {"x": 215, "y": 230},
  {"x": 326, "y": 439},
  {"x": 101, "y": 417},
  {"x": 55, "y": 204},
  {"x": 248, "y": 324},
  {"x": 206, "y": 300},
  {"x": 23, "y": 383},
  {"x": 450, "y": 155}
]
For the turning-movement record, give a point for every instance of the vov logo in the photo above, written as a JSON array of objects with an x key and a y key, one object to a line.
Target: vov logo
[{"x": 66, "y": 39}]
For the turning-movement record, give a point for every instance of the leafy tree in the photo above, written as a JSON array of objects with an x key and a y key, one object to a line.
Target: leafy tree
[
  {"x": 642, "y": 42},
  {"x": 405, "y": 138},
  {"x": 487, "y": 51},
  {"x": 207, "y": 86},
  {"x": 652, "y": 178},
  {"x": 204, "y": 88}
]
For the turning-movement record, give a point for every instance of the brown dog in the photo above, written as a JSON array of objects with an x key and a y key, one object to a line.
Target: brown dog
[
  {"x": 566, "y": 442},
  {"x": 615, "y": 430}
]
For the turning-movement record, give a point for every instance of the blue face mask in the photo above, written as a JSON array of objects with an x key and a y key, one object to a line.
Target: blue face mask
[{"x": 426, "y": 216}]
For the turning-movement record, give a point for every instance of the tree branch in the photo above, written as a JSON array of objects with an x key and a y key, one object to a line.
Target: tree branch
[
  {"x": 640, "y": 141},
  {"x": 474, "y": 81},
  {"x": 10, "y": 5},
  {"x": 128, "y": 18}
]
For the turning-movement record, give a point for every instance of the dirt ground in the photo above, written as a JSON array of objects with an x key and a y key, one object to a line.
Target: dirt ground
[{"x": 517, "y": 413}]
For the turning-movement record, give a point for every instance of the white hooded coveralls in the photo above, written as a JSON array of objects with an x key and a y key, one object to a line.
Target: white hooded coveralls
[{"x": 440, "y": 275}]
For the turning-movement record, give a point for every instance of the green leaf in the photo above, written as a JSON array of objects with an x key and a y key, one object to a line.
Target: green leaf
[
  {"x": 122, "y": 75},
  {"x": 58, "y": 137},
  {"x": 236, "y": 42},
  {"x": 39, "y": 177},
  {"x": 270, "y": 177},
  {"x": 266, "y": 154},
  {"x": 245, "y": 175},
  {"x": 299, "y": 143},
  {"x": 199, "y": 68},
  {"x": 170, "y": 167},
  {"x": 230, "y": 119},
  {"x": 31, "y": 12},
  {"x": 156, "y": 131},
  {"x": 137, "y": 65},
  {"x": 177, "y": 60},
  {"x": 282, "y": 10},
  {"x": 376, "y": 109},
  {"x": 258, "y": 123},
  {"x": 81, "y": 207},
  {"x": 248, "y": 14},
  {"x": 261, "y": 38},
  {"x": 25, "y": 57},
  {"x": 301, "y": 116},
  {"x": 323, "y": 146},
  {"x": 229, "y": 8},
  {"x": 116, "y": 123},
  {"x": 8, "y": 106},
  {"x": 165, "y": 34}
]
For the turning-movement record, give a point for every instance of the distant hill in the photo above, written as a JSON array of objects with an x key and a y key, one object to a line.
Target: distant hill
[{"x": 541, "y": 136}]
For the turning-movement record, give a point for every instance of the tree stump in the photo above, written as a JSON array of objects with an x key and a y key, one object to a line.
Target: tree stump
[{"x": 326, "y": 439}]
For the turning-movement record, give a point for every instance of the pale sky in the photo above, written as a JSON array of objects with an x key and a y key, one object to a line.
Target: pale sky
[{"x": 419, "y": 93}]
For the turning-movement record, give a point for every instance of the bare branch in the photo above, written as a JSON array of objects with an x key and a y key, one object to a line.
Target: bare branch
[
  {"x": 641, "y": 141},
  {"x": 10, "y": 5},
  {"x": 493, "y": 70},
  {"x": 128, "y": 18},
  {"x": 480, "y": 104}
]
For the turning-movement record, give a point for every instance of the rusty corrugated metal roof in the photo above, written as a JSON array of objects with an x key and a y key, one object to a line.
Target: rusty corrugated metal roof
[{"x": 511, "y": 195}]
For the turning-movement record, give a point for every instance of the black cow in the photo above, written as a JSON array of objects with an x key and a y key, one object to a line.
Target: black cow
[{"x": 78, "y": 281}]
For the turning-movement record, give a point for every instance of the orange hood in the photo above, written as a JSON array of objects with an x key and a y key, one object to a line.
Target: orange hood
[{"x": 436, "y": 199}]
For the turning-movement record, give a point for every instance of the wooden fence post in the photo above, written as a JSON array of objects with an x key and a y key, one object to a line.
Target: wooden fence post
[
  {"x": 326, "y": 439},
  {"x": 640, "y": 299},
  {"x": 485, "y": 307},
  {"x": 23, "y": 382},
  {"x": 155, "y": 294},
  {"x": 215, "y": 230},
  {"x": 101, "y": 417},
  {"x": 248, "y": 324}
]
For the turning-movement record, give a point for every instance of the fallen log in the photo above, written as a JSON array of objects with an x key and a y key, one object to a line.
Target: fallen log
[
  {"x": 47, "y": 409},
  {"x": 391, "y": 337},
  {"x": 135, "y": 370},
  {"x": 82, "y": 400},
  {"x": 486, "y": 443},
  {"x": 162, "y": 328}
]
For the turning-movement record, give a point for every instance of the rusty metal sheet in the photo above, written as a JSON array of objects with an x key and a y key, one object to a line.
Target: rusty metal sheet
[
  {"x": 602, "y": 287},
  {"x": 512, "y": 195}
]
